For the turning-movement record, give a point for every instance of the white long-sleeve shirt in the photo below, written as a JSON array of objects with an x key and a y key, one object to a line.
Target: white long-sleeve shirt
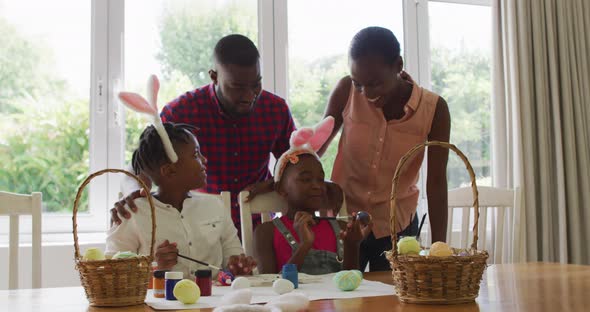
[{"x": 203, "y": 230}]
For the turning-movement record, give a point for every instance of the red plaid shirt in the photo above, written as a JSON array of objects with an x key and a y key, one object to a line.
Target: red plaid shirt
[{"x": 237, "y": 149}]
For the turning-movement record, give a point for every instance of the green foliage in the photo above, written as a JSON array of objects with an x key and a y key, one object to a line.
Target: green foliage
[
  {"x": 25, "y": 67},
  {"x": 45, "y": 148},
  {"x": 188, "y": 36},
  {"x": 463, "y": 79}
]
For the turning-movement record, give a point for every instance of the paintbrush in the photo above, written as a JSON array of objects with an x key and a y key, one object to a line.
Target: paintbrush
[
  {"x": 199, "y": 262},
  {"x": 420, "y": 227},
  {"x": 363, "y": 216}
]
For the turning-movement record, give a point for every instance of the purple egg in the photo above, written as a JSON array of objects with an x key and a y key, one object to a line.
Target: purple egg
[{"x": 364, "y": 217}]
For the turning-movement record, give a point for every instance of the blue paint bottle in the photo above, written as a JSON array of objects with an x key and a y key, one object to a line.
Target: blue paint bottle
[
  {"x": 171, "y": 279},
  {"x": 290, "y": 273}
]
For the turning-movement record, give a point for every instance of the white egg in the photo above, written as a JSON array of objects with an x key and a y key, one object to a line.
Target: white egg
[
  {"x": 240, "y": 283},
  {"x": 282, "y": 286}
]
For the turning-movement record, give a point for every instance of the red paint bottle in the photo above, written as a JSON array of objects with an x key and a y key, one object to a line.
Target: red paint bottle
[{"x": 204, "y": 281}]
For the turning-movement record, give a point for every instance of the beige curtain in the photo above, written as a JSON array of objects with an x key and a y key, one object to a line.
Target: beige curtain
[{"x": 541, "y": 124}]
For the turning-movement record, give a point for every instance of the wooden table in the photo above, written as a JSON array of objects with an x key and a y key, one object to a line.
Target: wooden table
[{"x": 507, "y": 287}]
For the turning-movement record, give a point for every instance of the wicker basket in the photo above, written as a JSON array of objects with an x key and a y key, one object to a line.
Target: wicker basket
[
  {"x": 436, "y": 280},
  {"x": 114, "y": 282}
]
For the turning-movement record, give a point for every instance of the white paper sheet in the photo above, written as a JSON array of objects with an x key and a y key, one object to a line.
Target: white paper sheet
[{"x": 324, "y": 289}]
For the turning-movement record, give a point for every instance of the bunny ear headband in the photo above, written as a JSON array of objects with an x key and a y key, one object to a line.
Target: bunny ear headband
[
  {"x": 139, "y": 104},
  {"x": 306, "y": 140}
]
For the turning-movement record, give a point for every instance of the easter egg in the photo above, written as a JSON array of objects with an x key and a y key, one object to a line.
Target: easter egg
[
  {"x": 424, "y": 252},
  {"x": 93, "y": 254},
  {"x": 408, "y": 246},
  {"x": 359, "y": 273},
  {"x": 124, "y": 255},
  {"x": 187, "y": 291},
  {"x": 347, "y": 280},
  {"x": 282, "y": 286},
  {"x": 364, "y": 217},
  {"x": 440, "y": 249},
  {"x": 240, "y": 283},
  {"x": 224, "y": 278}
]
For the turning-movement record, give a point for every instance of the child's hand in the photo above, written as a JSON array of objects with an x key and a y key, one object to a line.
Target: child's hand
[
  {"x": 241, "y": 265},
  {"x": 353, "y": 233},
  {"x": 302, "y": 224},
  {"x": 166, "y": 255}
]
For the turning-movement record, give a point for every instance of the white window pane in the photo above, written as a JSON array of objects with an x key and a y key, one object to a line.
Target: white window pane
[
  {"x": 174, "y": 39},
  {"x": 319, "y": 36},
  {"x": 460, "y": 41},
  {"x": 44, "y": 99}
]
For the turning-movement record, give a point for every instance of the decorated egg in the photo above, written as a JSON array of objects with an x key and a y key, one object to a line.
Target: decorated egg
[
  {"x": 224, "y": 278},
  {"x": 93, "y": 254},
  {"x": 364, "y": 217},
  {"x": 347, "y": 280},
  {"x": 240, "y": 283},
  {"x": 187, "y": 291},
  {"x": 424, "y": 252},
  {"x": 408, "y": 246},
  {"x": 282, "y": 286},
  {"x": 440, "y": 249},
  {"x": 124, "y": 255}
]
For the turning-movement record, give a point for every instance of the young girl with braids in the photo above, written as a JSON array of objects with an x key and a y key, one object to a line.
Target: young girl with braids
[{"x": 192, "y": 224}]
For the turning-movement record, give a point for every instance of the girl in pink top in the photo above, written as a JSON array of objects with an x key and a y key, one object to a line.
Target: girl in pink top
[
  {"x": 383, "y": 116},
  {"x": 315, "y": 246}
]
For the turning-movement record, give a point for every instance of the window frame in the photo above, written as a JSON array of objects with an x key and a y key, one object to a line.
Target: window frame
[{"x": 107, "y": 116}]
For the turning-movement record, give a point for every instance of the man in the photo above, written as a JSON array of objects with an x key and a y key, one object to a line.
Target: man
[{"x": 239, "y": 124}]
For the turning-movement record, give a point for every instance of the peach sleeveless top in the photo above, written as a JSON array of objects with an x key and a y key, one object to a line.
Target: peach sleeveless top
[{"x": 368, "y": 153}]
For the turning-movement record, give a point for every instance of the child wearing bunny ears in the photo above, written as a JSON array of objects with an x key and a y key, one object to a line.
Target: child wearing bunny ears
[
  {"x": 192, "y": 224},
  {"x": 316, "y": 247}
]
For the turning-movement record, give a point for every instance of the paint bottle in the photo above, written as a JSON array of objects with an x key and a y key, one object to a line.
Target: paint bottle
[
  {"x": 290, "y": 273},
  {"x": 159, "y": 284},
  {"x": 204, "y": 281},
  {"x": 171, "y": 279}
]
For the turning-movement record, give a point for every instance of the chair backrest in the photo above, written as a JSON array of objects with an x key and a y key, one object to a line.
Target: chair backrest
[
  {"x": 15, "y": 205},
  {"x": 502, "y": 203},
  {"x": 226, "y": 199},
  {"x": 265, "y": 205}
]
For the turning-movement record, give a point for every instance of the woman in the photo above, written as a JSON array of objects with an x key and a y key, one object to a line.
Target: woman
[{"x": 384, "y": 114}]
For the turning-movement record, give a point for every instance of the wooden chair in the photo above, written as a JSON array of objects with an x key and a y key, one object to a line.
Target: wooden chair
[
  {"x": 265, "y": 205},
  {"x": 502, "y": 203},
  {"x": 15, "y": 205}
]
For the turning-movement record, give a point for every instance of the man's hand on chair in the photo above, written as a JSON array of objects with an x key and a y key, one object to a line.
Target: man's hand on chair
[{"x": 259, "y": 188}]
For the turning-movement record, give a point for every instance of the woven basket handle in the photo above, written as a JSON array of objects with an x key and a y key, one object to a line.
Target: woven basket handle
[
  {"x": 398, "y": 171},
  {"x": 79, "y": 195}
]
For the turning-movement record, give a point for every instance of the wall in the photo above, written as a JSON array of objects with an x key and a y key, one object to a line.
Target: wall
[{"x": 57, "y": 267}]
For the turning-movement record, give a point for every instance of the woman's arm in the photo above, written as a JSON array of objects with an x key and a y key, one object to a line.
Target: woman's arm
[
  {"x": 436, "y": 182},
  {"x": 336, "y": 103}
]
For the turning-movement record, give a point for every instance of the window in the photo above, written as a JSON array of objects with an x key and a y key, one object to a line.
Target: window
[
  {"x": 174, "y": 39},
  {"x": 63, "y": 62},
  {"x": 318, "y": 52},
  {"x": 45, "y": 137},
  {"x": 460, "y": 58}
]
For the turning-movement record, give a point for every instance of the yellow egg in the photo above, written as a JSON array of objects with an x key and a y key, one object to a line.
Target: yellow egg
[
  {"x": 440, "y": 249},
  {"x": 408, "y": 246},
  {"x": 93, "y": 254},
  {"x": 187, "y": 291}
]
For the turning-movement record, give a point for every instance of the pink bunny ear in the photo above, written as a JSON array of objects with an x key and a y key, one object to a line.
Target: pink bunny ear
[
  {"x": 300, "y": 137},
  {"x": 137, "y": 103},
  {"x": 153, "y": 88},
  {"x": 322, "y": 132}
]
